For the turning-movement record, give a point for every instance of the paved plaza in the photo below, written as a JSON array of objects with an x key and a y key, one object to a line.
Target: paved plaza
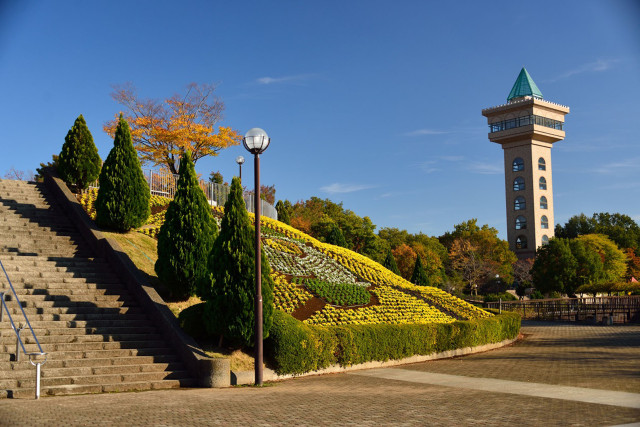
[{"x": 559, "y": 374}]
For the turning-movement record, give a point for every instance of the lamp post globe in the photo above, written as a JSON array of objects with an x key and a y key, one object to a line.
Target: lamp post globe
[
  {"x": 256, "y": 141},
  {"x": 240, "y": 161}
]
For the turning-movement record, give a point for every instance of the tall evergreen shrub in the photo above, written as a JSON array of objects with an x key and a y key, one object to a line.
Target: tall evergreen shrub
[
  {"x": 79, "y": 162},
  {"x": 187, "y": 235},
  {"x": 419, "y": 276},
  {"x": 123, "y": 197},
  {"x": 229, "y": 290},
  {"x": 390, "y": 263}
]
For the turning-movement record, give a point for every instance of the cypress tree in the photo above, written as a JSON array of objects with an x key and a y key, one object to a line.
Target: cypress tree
[
  {"x": 187, "y": 235},
  {"x": 336, "y": 236},
  {"x": 419, "y": 276},
  {"x": 229, "y": 290},
  {"x": 79, "y": 162},
  {"x": 390, "y": 263},
  {"x": 123, "y": 197}
]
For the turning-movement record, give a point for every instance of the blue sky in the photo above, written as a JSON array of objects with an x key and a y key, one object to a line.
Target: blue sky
[{"x": 376, "y": 104}]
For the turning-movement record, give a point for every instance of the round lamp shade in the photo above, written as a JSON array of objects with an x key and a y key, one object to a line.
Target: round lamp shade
[
  {"x": 256, "y": 141},
  {"x": 239, "y": 160}
]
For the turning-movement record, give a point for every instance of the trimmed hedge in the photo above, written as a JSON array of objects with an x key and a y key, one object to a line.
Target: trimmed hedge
[{"x": 296, "y": 347}]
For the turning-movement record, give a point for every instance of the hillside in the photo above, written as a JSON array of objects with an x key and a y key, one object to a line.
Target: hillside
[{"x": 322, "y": 284}]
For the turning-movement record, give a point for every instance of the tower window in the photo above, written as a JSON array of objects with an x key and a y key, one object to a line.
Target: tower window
[
  {"x": 521, "y": 242},
  {"x": 544, "y": 222},
  {"x": 543, "y": 202},
  {"x": 521, "y": 223},
  {"x": 519, "y": 204},
  {"x": 545, "y": 240},
  {"x": 518, "y": 184},
  {"x": 518, "y": 164},
  {"x": 543, "y": 183},
  {"x": 542, "y": 165}
]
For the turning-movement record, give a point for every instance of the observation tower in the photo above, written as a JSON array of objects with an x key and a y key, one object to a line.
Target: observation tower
[{"x": 526, "y": 127}]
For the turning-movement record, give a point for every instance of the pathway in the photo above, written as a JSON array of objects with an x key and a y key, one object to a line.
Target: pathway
[{"x": 550, "y": 378}]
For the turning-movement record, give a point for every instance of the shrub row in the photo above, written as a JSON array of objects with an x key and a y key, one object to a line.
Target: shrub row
[{"x": 297, "y": 348}]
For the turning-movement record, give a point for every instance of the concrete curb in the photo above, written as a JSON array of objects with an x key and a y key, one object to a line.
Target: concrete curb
[
  {"x": 247, "y": 377},
  {"x": 209, "y": 371}
]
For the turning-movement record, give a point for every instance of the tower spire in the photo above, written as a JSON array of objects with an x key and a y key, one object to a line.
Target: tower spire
[{"x": 524, "y": 86}]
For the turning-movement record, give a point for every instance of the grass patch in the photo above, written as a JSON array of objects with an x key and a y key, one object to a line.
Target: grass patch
[{"x": 143, "y": 250}]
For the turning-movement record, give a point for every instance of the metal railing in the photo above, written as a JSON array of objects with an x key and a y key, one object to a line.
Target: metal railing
[
  {"x": 623, "y": 309},
  {"x": 163, "y": 183},
  {"x": 17, "y": 329}
]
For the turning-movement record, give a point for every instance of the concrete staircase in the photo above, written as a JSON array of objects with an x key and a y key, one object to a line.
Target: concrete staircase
[{"x": 97, "y": 337}]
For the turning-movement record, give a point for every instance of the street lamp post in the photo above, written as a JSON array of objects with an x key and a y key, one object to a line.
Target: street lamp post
[
  {"x": 240, "y": 161},
  {"x": 256, "y": 141}
]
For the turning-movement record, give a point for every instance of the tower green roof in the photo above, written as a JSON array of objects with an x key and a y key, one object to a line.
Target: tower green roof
[{"x": 524, "y": 86}]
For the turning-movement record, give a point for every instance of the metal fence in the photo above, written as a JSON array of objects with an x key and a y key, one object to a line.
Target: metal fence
[
  {"x": 164, "y": 184},
  {"x": 606, "y": 310}
]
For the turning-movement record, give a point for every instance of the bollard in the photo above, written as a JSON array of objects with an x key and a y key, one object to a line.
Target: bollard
[
  {"x": 38, "y": 380},
  {"x": 500, "y": 305}
]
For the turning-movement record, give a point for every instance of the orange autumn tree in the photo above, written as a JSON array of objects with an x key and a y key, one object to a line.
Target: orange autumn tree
[{"x": 162, "y": 131}]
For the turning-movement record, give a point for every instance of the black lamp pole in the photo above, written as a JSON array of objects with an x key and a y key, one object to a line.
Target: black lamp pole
[
  {"x": 258, "y": 327},
  {"x": 256, "y": 141}
]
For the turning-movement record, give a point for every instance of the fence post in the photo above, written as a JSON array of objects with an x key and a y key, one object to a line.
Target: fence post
[{"x": 500, "y": 306}]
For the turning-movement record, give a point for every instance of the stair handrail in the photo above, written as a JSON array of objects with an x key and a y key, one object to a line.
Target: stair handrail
[{"x": 18, "y": 329}]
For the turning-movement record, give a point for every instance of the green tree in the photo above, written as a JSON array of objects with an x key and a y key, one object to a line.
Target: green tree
[
  {"x": 576, "y": 226},
  {"x": 555, "y": 268},
  {"x": 419, "y": 277},
  {"x": 614, "y": 261},
  {"x": 477, "y": 254},
  {"x": 123, "y": 196},
  {"x": 52, "y": 164},
  {"x": 620, "y": 228},
  {"x": 187, "y": 235},
  {"x": 335, "y": 237},
  {"x": 284, "y": 211},
  {"x": 229, "y": 289},
  {"x": 79, "y": 162},
  {"x": 216, "y": 178},
  {"x": 589, "y": 269},
  {"x": 390, "y": 263}
]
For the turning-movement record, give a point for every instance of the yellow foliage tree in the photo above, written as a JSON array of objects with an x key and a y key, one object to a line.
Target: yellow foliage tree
[{"x": 163, "y": 131}]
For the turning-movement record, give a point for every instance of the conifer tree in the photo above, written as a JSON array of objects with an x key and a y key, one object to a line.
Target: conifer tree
[
  {"x": 419, "y": 276},
  {"x": 390, "y": 263},
  {"x": 123, "y": 197},
  {"x": 229, "y": 290},
  {"x": 336, "y": 236},
  {"x": 187, "y": 235},
  {"x": 79, "y": 162}
]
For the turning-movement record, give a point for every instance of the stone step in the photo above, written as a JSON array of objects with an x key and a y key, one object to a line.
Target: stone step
[
  {"x": 81, "y": 289},
  {"x": 103, "y": 379},
  {"x": 93, "y": 337},
  {"x": 93, "y": 362},
  {"x": 28, "y": 393},
  {"x": 26, "y": 268},
  {"x": 35, "y": 299},
  {"x": 54, "y": 348},
  {"x": 95, "y": 304},
  {"x": 32, "y": 312},
  {"x": 105, "y": 354},
  {"x": 101, "y": 331},
  {"x": 122, "y": 322},
  {"x": 50, "y": 372}
]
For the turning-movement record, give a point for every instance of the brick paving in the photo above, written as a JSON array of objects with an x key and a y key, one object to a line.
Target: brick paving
[{"x": 563, "y": 354}]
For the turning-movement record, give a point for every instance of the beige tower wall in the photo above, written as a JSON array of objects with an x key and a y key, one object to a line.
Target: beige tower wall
[
  {"x": 529, "y": 142},
  {"x": 530, "y": 152}
]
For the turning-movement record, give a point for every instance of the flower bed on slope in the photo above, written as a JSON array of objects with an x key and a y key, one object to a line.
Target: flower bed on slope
[{"x": 294, "y": 255}]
